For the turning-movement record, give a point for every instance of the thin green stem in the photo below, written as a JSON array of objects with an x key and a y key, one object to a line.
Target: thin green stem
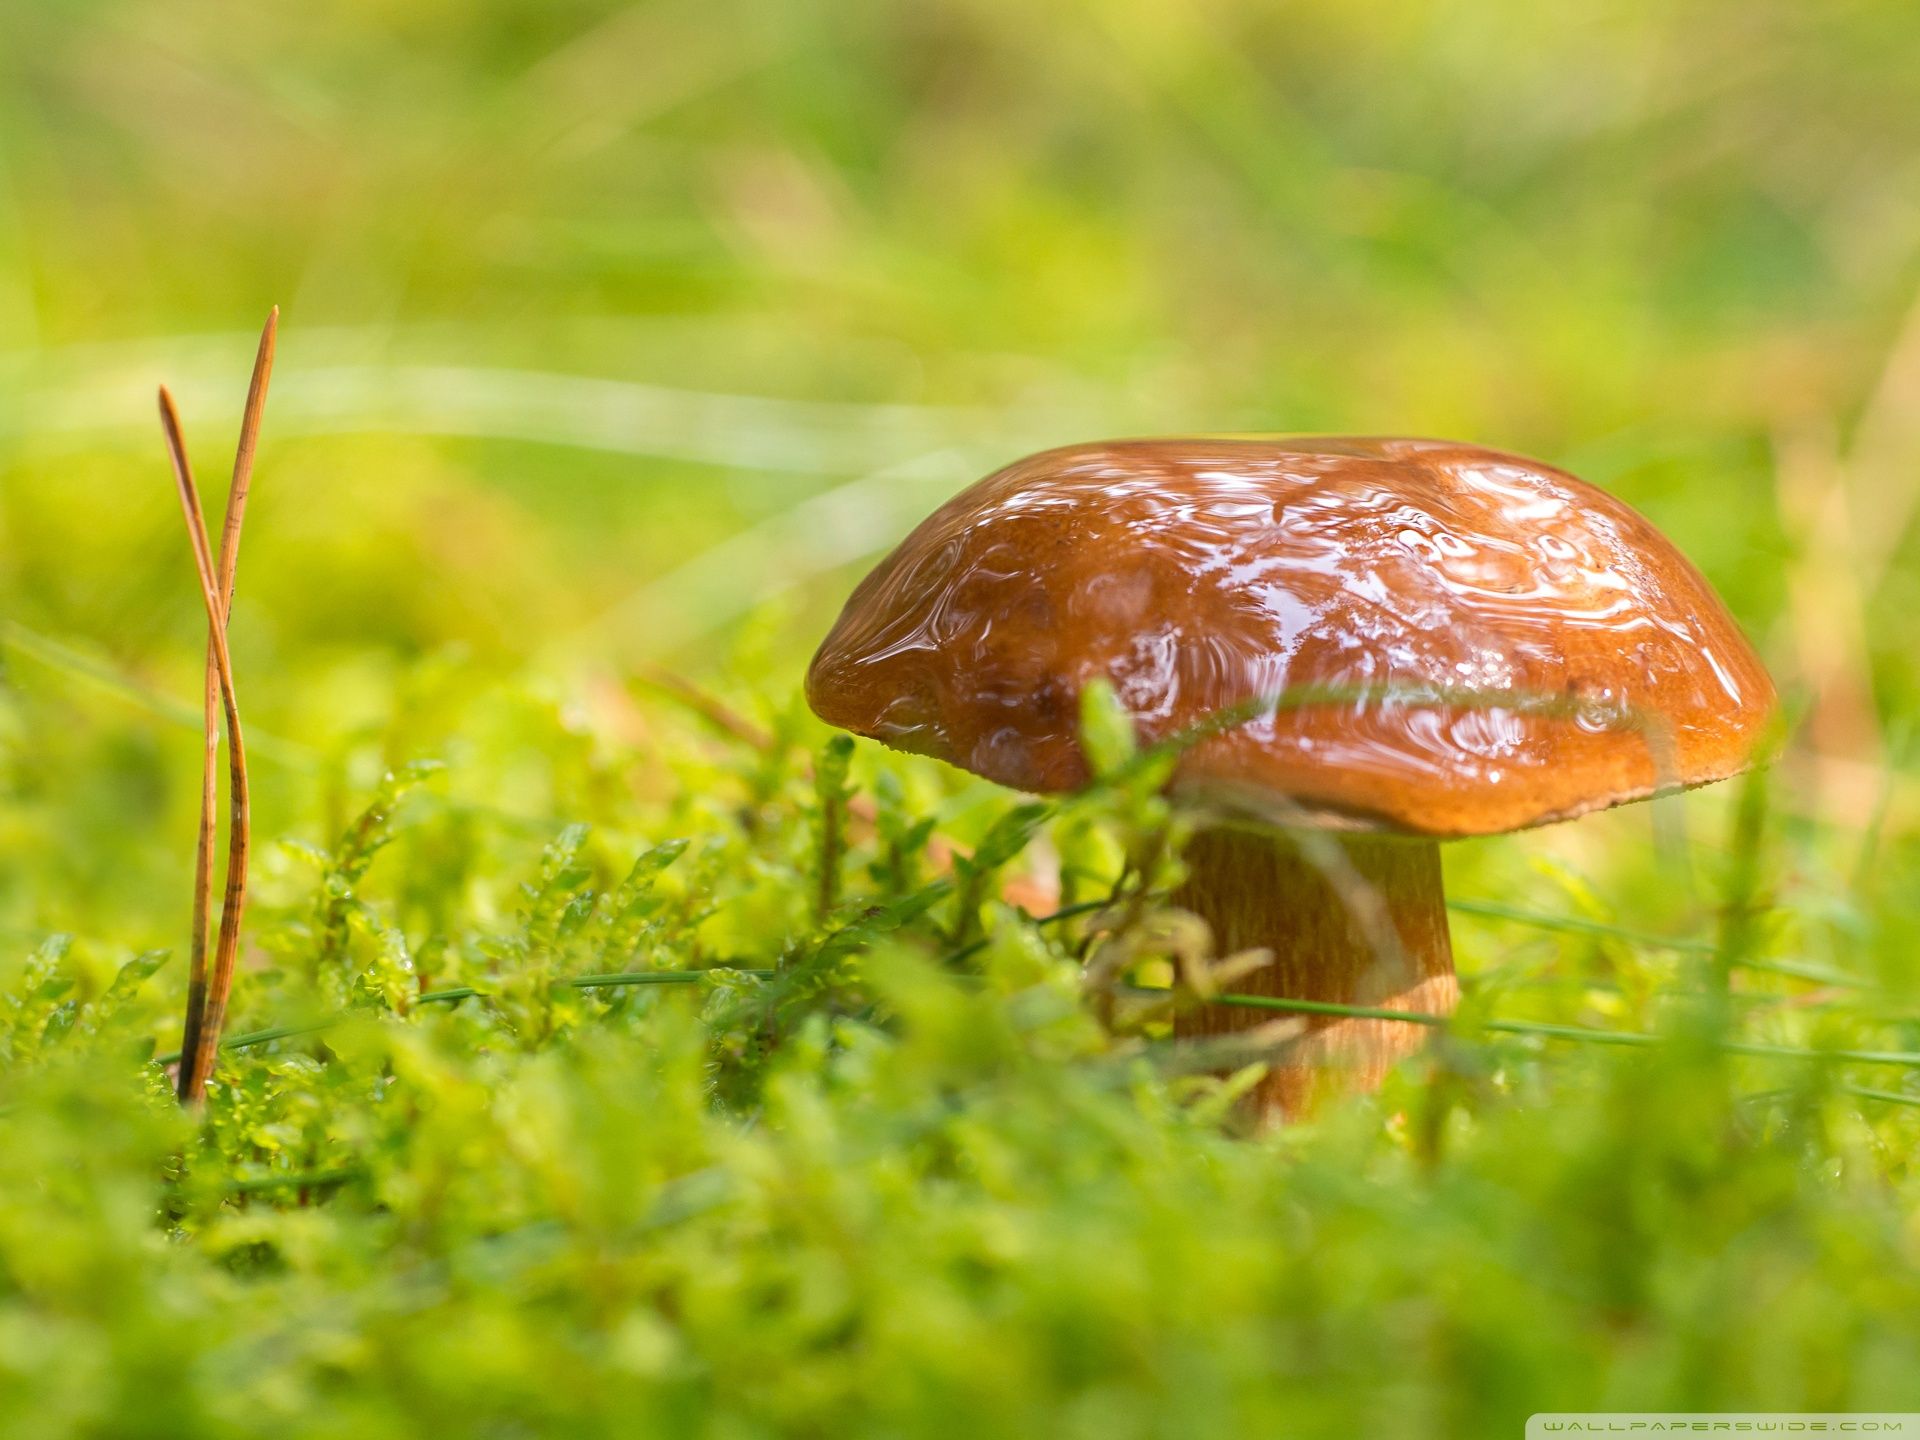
[
  {"x": 1066, "y": 912},
  {"x": 296, "y": 1179},
  {"x": 1548, "y": 1031},
  {"x": 1579, "y": 925},
  {"x": 653, "y": 977},
  {"x": 469, "y": 992},
  {"x": 1692, "y": 945},
  {"x": 1890, "y": 1097}
]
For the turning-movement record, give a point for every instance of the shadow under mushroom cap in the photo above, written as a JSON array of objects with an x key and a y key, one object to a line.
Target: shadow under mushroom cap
[{"x": 1459, "y": 641}]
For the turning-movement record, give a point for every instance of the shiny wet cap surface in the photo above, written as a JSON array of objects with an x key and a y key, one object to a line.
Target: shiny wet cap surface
[{"x": 1460, "y": 641}]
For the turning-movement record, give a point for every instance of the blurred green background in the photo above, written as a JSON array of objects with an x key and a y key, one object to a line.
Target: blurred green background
[
  {"x": 621, "y": 334},
  {"x": 616, "y": 340}
]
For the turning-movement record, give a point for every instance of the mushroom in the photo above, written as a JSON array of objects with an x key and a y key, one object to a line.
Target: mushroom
[{"x": 1409, "y": 641}]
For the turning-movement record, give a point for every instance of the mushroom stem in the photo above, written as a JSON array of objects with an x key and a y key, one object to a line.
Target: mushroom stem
[{"x": 1355, "y": 920}]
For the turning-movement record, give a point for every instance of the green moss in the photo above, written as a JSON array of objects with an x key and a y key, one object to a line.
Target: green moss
[{"x": 855, "y": 1173}]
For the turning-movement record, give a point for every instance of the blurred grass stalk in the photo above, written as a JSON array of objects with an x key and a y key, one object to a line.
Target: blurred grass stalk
[
  {"x": 95, "y": 392},
  {"x": 1849, "y": 510}
]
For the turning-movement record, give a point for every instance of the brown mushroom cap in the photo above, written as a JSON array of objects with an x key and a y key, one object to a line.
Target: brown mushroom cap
[{"x": 1468, "y": 641}]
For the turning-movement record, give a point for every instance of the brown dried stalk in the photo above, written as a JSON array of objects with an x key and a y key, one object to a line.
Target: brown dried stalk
[{"x": 207, "y": 1004}]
